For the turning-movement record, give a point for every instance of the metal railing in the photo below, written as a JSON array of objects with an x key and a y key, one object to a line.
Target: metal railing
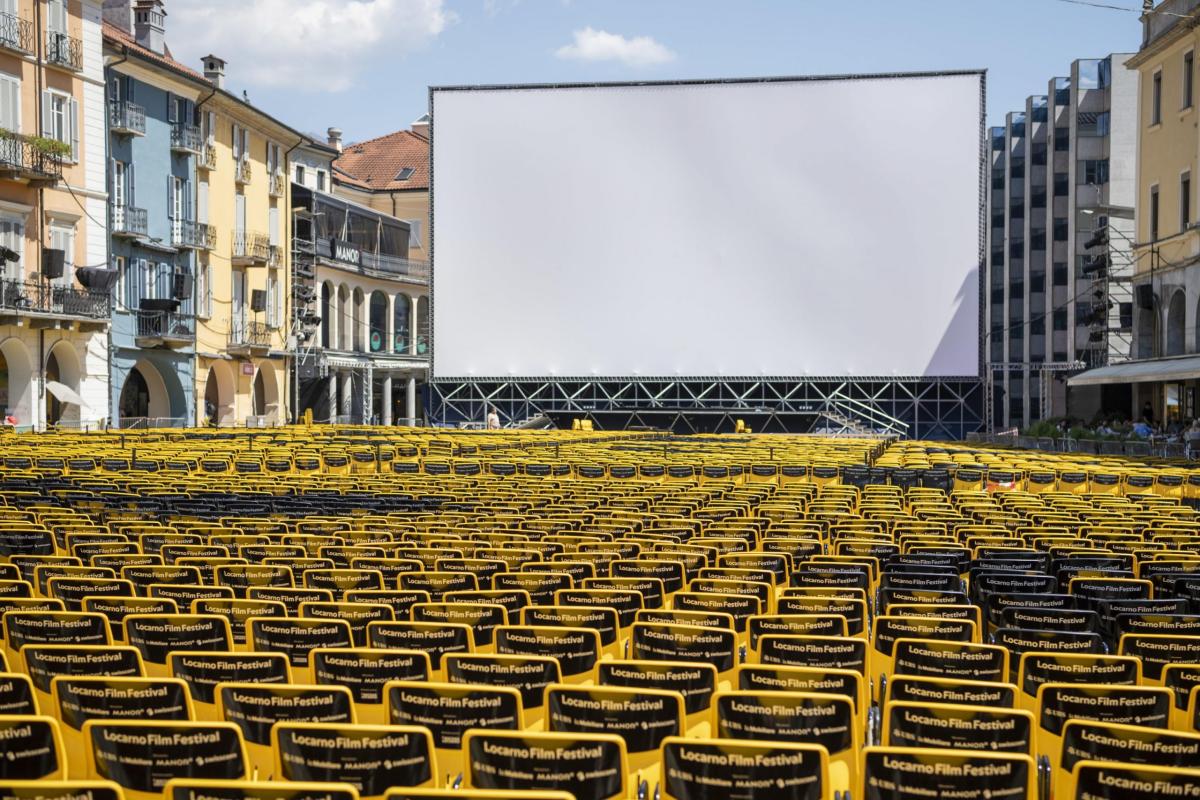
[
  {"x": 133, "y": 423},
  {"x": 47, "y": 298},
  {"x": 186, "y": 137},
  {"x": 128, "y": 221},
  {"x": 165, "y": 325},
  {"x": 243, "y": 334},
  {"x": 251, "y": 246},
  {"x": 16, "y": 33},
  {"x": 127, "y": 117},
  {"x": 207, "y": 157},
  {"x": 1131, "y": 448},
  {"x": 191, "y": 234},
  {"x": 64, "y": 51},
  {"x": 18, "y": 155}
]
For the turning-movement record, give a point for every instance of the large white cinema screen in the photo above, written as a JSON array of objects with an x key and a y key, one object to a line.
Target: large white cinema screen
[{"x": 790, "y": 228}]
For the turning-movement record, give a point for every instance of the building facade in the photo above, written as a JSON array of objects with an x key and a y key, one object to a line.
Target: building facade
[
  {"x": 1060, "y": 240},
  {"x": 359, "y": 357},
  {"x": 152, "y": 220},
  {"x": 1166, "y": 283},
  {"x": 54, "y": 301}
]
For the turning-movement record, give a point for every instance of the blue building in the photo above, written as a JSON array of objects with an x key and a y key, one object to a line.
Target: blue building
[{"x": 153, "y": 148}]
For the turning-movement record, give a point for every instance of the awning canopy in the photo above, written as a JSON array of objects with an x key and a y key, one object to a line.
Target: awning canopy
[{"x": 1184, "y": 368}]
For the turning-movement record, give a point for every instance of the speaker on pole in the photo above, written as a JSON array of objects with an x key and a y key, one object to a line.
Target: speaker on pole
[
  {"x": 1145, "y": 295},
  {"x": 258, "y": 301},
  {"x": 181, "y": 288},
  {"x": 53, "y": 262}
]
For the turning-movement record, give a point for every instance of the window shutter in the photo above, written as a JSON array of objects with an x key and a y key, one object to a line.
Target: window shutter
[
  {"x": 75, "y": 154},
  {"x": 172, "y": 109},
  {"x": 130, "y": 198},
  {"x": 274, "y": 232},
  {"x": 47, "y": 125},
  {"x": 202, "y": 202}
]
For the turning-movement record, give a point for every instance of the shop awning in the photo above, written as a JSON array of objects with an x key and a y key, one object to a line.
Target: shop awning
[{"x": 1185, "y": 368}]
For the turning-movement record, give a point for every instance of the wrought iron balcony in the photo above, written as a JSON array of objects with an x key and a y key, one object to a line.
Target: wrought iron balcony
[
  {"x": 34, "y": 297},
  {"x": 245, "y": 336},
  {"x": 169, "y": 328},
  {"x": 128, "y": 221},
  {"x": 243, "y": 171},
  {"x": 127, "y": 118},
  {"x": 64, "y": 51},
  {"x": 16, "y": 33},
  {"x": 207, "y": 158},
  {"x": 251, "y": 248},
  {"x": 186, "y": 138},
  {"x": 23, "y": 161},
  {"x": 193, "y": 235},
  {"x": 278, "y": 184}
]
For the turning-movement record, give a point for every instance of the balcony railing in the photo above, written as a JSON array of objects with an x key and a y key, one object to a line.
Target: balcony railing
[
  {"x": 186, "y": 138},
  {"x": 21, "y": 160},
  {"x": 244, "y": 335},
  {"x": 42, "y": 298},
  {"x": 207, "y": 158},
  {"x": 128, "y": 221},
  {"x": 250, "y": 247},
  {"x": 127, "y": 118},
  {"x": 193, "y": 235},
  {"x": 243, "y": 171},
  {"x": 167, "y": 327},
  {"x": 64, "y": 51},
  {"x": 16, "y": 33},
  {"x": 278, "y": 184}
]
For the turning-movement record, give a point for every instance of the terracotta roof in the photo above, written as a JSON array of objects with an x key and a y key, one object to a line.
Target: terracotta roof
[
  {"x": 115, "y": 35},
  {"x": 377, "y": 163}
]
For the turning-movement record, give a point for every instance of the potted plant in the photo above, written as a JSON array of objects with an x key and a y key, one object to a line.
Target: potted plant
[{"x": 49, "y": 147}]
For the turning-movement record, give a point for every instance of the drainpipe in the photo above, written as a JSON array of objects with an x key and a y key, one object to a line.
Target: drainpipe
[
  {"x": 292, "y": 374},
  {"x": 41, "y": 202},
  {"x": 112, "y": 359}
]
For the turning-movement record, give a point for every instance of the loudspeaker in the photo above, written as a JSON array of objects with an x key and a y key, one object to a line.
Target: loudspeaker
[
  {"x": 1145, "y": 295},
  {"x": 258, "y": 300},
  {"x": 181, "y": 289},
  {"x": 53, "y": 262}
]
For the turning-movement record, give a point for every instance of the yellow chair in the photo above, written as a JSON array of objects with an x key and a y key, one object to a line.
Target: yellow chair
[
  {"x": 33, "y": 749},
  {"x": 912, "y": 771},
  {"x": 1104, "y": 780},
  {"x": 539, "y": 758},
  {"x": 371, "y": 758},
  {"x": 694, "y": 769}
]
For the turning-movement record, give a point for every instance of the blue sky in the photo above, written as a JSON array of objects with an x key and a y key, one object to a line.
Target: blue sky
[{"x": 365, "y": 65}]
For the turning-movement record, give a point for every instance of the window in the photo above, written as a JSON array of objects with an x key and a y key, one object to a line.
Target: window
[
  {"x": 320, "y": 180},
  {"x": 1185, "y": 200},
  {"x": 1061, "y": 230},
  {"x": 997, "y": 219},
  {"x": 1037, "y": 282},
  {"x": 203, "y": 290},
  {"x": 998, "y": 178},
  {"x": 10, "y": 103},
  {"x": 1038, "y": 154},
  {"x": 405, "y": 174},
  {"x": 1060, "y": 320},
  {"x": 1156, "y": 98},
  {"x": 273, "y": 299},
  {"x": 1037, "y": 326},
  {"x": 60, "y": 119},
  {"x": 300, "y": 174},
  {"x": 149, "y": 280},
  {"x": 1094, "y": 172},
  {"x": 56, "y": 17},
  {"x": 1059, "y": 274},
  {"x": 1091, "y": 123},
  {"x": 1062, "y": 140},
  {"x": 1016, "y": 210},
  {"x": 62, "y": 237},
  {"x": 1154, "y": 213},
  {"x": 1189, "y": 75},
  {"x": 1062, "y": 184},
  {"x": 241, "y": 143},
  {"x": 1037, "y": 240},
  {"x": 1016, "y": 248},
  {"x": 12, "y": 236}
]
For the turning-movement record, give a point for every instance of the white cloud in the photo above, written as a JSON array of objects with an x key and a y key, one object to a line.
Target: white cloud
[
  {"x": 593, "y": 45},
  {"x": 315, "y": 45}
]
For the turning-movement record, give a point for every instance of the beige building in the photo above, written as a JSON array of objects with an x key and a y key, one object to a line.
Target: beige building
[
  {"x": 1166, "y": 369},
  {"x": 52, "y": 214}
]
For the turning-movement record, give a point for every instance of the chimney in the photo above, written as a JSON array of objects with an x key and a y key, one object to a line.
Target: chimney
[
  {"x": 421, "y": 126},
  {"x": 214, "y": 70},
  {"x": 150, "y": 25},
  {"x": 335, "y": 138},
  {"x": 119, "y": 13}
]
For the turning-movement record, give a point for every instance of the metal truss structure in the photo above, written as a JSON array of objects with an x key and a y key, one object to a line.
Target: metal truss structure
[{"x": 920, "y": 408}]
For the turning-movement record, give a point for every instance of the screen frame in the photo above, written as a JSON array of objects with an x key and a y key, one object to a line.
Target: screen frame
[{"x": 981, "y": 256}]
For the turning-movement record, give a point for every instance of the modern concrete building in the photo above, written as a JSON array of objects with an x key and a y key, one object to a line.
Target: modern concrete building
[
  {"x": 1060, "y": 235},
  {"x": 1166, "y": 281},
  {"x": 54, "y": 282}
]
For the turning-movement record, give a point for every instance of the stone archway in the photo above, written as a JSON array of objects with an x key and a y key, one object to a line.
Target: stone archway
[
  {"x": 219, "y": 394},
  {"x": 16, "y": 381},
  {"x": 264, "y": 395},
  {"x": 62, "y": 365}
]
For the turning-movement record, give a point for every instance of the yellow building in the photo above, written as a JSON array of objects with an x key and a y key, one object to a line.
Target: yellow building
[
  {"x": 243, "y": 282},
  {"x": 1167, "y": 251}
]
